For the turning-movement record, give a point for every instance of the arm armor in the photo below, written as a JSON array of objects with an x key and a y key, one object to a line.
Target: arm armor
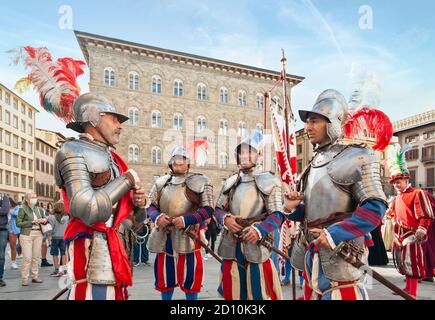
[
  {"x": 202, "y": 186},
  {"x": 357, "y": 170},
  {"x": 74, "y": 163},
  {"x": 271, "y": 187}
]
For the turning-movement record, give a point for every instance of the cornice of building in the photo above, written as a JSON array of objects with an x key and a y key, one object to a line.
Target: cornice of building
[
  {"x": 415, "y": 121},
  {"x": 17, "y": 96},
  {"x": 88, "y": 39},
  {"x": 60, "y": 135}
]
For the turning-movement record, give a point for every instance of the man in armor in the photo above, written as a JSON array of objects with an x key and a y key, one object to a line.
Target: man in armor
[
  {"x": 179, "y": 200},
  {"x": 342, "y": 201},
  {"x": 250, "y": 209},
  {"x": 412, "y": 215},
  {"x": 99, "y": 193}
]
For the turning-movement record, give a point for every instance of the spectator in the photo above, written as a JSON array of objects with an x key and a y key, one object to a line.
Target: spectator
[
  {"x": 14, "y": 232},
  {"x": 377, "y": 253},
  {"x": 4, "y": 210},
  {"x": 59, "y": 221},
  {"x": 211, "y": 234},
  {"x": 29, "y": 220},
  {"x": 45, "y": 240},
  {"x": 387, "y": 230}
]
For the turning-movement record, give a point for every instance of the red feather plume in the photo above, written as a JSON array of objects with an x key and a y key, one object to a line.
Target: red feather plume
[
  {"x": 372, "y": 122},
  {"x": 56, "y": 82}
]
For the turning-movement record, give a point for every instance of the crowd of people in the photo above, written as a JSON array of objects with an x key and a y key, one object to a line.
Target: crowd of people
[{"x": 24, "y": 227}]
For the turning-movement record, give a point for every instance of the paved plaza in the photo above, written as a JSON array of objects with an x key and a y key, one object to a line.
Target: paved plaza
[{"x": 143, "y": 279}]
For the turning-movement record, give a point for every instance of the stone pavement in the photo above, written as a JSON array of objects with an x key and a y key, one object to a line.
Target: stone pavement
[{"x": 144, "y": 279}]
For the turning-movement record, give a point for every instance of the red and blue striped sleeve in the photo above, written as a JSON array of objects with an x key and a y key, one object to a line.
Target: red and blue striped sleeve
[
  {"x": 363, "y": 220},
  {"x": 220, "y": 215},
  {"x": 368, "y": 240},
  {"x": 271, "y": 223},
  {"x": 153, "y": 213},
  {"x": 202, "y": 214}
]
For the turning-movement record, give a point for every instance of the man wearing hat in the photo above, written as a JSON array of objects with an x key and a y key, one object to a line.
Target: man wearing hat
[
  {"x": 342, "y": 201},
  {"x": 412, "y": 214},
  {"x": 250, "y": 209},
  {"x": 99, "y": 193},
  {"x": 179, "y": 200}
]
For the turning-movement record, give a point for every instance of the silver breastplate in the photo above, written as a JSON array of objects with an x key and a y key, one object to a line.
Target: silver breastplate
[
  {"x": 173, "y": 201},
  {"x": 247, "y": 201},
  {"x": 323, "y": 197}
]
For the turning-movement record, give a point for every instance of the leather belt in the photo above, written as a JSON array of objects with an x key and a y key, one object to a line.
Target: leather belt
[{"x": 326, "y": 222}]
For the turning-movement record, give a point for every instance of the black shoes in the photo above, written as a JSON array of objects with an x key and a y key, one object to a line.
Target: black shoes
[
  {"x": 2, "y": 283},
  {"x": 45, "y": 263}
]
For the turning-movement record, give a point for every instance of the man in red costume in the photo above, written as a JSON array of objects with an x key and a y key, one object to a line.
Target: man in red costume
[{"x": 412, "y": 214}]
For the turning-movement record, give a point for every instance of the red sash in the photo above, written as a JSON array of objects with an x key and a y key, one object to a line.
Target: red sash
[{"x": 76, "y": 228}]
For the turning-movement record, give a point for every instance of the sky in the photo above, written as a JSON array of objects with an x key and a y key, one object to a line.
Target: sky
[{"x": 383, "y": 48}]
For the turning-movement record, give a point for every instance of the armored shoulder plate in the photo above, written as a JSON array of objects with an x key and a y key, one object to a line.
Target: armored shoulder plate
[
  {"x": 197, "y": 182},
  {"x": 161, "y": 182},
  {"x": 266, "y": 181},
  {"x": 358, "y": 168},
  {"x": 96, "y": 159},
  {"x": 229, "y": 183},
  {"x": 347, "y": 167},
  {"x": 157, "y": 188}
]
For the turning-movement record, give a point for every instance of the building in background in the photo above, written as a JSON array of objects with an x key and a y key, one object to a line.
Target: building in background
[
  {"x": 45, "y": 152},
  {"x": 419, "y": 133},
  {"x": 17, "y": 140},
  {"x": 173, "y": 98}
]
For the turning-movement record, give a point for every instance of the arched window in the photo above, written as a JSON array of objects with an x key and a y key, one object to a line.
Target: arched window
[
  {"x": 223, "y": 160},
  {"x": 133, "y": 114},
  {"x": 242, "y": 129},
  {"x": 156, "y": 155},
  {"x": 223, "y": 95},
  {"x": 156, "y": 86},
  {"x": 259, "y": 103},
  {"x": 156, "y": 119},
  {"x": 178, "y": 88},
  {"x": 242, "y": 98},
  {"x": 259, "y": 127},
  {"x": 201, "y": 124},
  {"x": 223, "y": 127},
  {"x": 201, "y": 90},
  {"x": 133, "y": 153},
  {"x": 109, "y": 77},
  {"x": 133, "y": 80},
  {"x": 178, "y": 121}
]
